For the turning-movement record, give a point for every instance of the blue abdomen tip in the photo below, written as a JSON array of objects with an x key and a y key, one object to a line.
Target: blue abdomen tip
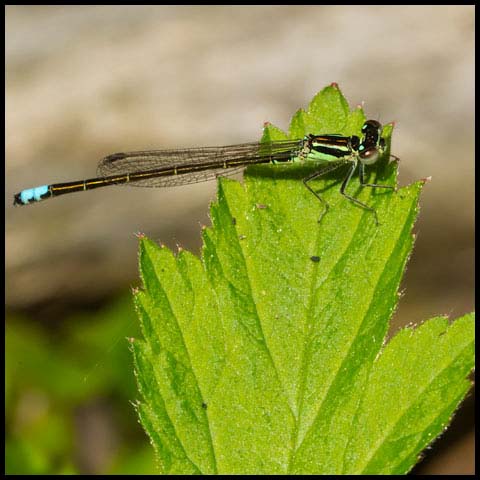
[{"x": 33, "y": 194}]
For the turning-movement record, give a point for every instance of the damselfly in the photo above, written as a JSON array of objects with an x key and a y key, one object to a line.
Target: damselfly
[{"x": 169, "y": 168}]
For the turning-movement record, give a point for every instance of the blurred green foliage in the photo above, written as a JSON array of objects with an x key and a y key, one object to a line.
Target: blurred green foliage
[{"x": 53, "y": 375}]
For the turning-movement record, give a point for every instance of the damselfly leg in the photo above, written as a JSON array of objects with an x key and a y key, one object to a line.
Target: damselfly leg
[
  {"x": 318, "y": 174},
  {"x": 346, "y": 181}
]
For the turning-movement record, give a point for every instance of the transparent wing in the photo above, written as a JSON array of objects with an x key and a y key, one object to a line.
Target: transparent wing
[
  {"x": 192, "y": 165},
  {"x": 184, "y": 178}
]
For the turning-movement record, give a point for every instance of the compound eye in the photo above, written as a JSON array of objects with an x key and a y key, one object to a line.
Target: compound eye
[
  {"x": 369, "y": 156},
  {"x": 373, "y": 124}
]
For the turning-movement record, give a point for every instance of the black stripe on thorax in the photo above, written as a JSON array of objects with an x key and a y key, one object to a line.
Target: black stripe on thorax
[{"x": 334, "y": 140}]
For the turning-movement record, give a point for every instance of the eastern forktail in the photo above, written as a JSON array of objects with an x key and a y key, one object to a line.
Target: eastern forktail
[{"x": 169, "y": 168}]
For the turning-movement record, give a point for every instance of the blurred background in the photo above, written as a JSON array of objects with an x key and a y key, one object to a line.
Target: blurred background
[{"x": 86, "y": 81}]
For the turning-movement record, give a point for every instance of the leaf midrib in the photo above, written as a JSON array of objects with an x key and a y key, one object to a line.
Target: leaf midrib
[{"x": 305, "y": 366}]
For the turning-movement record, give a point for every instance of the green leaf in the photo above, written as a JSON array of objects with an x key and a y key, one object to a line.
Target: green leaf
[
  {"x": 430, "y": 364},
  {"x": 265, "y": 355}
]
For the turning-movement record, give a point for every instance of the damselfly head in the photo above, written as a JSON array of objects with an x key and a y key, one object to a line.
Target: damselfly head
[
  {"x": 373, "y": 145},
  {"x": 371, "y": 124}
]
